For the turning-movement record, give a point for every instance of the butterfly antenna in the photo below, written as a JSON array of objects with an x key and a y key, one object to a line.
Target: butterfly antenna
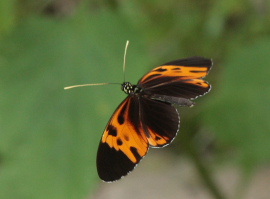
[
  {"x": 99, "y": 84},
  {"x": 124, "y": 64},
  {"x": 96, "y": 84}
]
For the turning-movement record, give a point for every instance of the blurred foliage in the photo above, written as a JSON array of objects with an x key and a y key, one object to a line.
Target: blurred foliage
[
  {"x": 241, "y": 105},
  {"x": 49, "y": 136}
]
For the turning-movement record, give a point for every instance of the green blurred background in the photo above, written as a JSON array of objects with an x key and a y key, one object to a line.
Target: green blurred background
[{"x": 49, "y": 136}]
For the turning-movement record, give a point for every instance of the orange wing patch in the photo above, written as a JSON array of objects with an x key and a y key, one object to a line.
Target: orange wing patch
[
  {"x": 198, "y": 82},
  {"x": 179, "y": 72},
  {"x": 156, "y": 140},
  {"x": 121, "y": 134}
]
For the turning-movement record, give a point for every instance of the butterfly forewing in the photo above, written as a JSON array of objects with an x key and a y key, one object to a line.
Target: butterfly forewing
[
  {"x": 190, "y": 68},
  {"x": 180, "y": 78},
  {"x": 123, "y": 143}
]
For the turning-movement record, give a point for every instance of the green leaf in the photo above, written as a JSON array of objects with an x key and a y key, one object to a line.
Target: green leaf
[{"x": 49, "y": 136}]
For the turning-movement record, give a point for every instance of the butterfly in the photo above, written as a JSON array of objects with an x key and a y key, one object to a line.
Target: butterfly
[{"x": 147, "y": 117}]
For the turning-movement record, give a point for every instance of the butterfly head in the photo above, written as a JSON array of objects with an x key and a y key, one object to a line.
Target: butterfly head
[{"x": 128, "y": 88}]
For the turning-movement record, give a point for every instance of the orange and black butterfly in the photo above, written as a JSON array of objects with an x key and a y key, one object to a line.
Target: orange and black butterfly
[{"x": 147, "y": 118}]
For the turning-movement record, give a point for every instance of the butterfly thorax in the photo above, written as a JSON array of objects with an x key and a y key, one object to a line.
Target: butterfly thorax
[{"x": 128, "y": 88}]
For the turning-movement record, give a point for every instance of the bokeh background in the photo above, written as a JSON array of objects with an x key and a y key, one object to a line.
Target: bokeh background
[{"x": 49, "y": 136}]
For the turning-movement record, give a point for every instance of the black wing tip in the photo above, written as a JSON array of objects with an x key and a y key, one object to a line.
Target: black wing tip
[
  {"x": 192, "y": 61},
  {"x": 112, "y": 165}
]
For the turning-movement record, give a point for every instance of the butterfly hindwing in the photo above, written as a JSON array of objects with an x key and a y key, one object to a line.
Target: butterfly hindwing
[
  {"x": 123, "y": 143},
  {"x": 160, "y": 121}
]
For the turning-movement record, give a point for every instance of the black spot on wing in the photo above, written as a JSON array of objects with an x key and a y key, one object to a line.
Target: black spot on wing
[
  {"x": 112, "y": 164},
  {"x": 120, "y": 119},
  {"x": 161, "y": 70},
  {"x": 135, "y": 153},
  {"x": 157, "y": 138},
  {"x": 119, "y": 142},
  {"x": 126, "y": 137},
  {"x": 176, "y": 68},
  {"x": 112, "y": 130}
]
